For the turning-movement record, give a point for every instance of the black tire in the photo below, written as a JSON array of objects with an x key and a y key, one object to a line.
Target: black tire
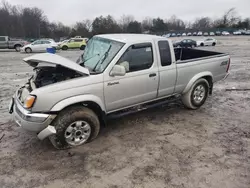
[
  {"x": 82, "y": 47},
  {"x": 214, "y": 44},
  {"x": 17, "y": 47},
  {"x": 65, "y": 48},
  {"x": 202, "y": 44},
  {"x": 28, "y": 50},
  {"x": 188, "y": 98},
  {"x": 67, "y": 117}
]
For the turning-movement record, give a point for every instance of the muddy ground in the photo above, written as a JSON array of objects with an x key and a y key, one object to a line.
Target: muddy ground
[{"x": 163, "y": 147}]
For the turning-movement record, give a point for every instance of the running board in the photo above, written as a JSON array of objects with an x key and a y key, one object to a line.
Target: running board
[{"x": 142, "y": 107}]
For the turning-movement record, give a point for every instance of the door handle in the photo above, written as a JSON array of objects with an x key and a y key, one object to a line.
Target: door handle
[{"x": 152, "y": 75}]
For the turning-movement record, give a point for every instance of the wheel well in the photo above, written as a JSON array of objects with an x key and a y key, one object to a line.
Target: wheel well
[
  {"x": 210, "y": 82},
  {"x": 17, "y": 45},
  {"x": 93, "y": 106}
]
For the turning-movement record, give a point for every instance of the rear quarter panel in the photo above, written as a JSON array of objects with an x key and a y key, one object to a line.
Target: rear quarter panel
[{"x": 189, "y": 72}]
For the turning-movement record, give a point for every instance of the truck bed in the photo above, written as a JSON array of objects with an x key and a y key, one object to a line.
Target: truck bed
[{"x": 188, "y": 54}]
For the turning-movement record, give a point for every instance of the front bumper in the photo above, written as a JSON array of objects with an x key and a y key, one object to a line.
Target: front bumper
[{"x": 35, "y": 122}]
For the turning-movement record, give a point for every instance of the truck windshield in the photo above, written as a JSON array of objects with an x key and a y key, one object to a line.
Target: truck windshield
[{"x": 99, "y": 52}]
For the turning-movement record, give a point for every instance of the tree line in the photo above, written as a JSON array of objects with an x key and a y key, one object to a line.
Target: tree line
[{"x": 25, "y": 22}]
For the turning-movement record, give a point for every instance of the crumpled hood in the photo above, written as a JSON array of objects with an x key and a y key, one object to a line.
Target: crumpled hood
[{"x": 47, "y": 59}]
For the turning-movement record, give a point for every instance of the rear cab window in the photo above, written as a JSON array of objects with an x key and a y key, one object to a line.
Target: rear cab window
[
  {"x": 165, "y": 53},
  {"x": 2, "y": 39}
]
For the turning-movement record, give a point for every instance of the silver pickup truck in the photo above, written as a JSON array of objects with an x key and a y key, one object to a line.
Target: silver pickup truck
[
  {"x": 8, "y": 43},
  {"x": 118, "y": 74}
]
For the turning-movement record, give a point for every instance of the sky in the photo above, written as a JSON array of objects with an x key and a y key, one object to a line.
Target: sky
[{"x": 70, "y": 11}]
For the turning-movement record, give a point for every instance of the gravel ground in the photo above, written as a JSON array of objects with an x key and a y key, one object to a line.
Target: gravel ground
[{"x": 163, "y": 147}]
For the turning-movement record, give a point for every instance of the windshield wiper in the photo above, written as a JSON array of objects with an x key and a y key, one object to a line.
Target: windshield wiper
[
  {"x": 82, "y": 64},
  {"x": 105, "y": 56}
]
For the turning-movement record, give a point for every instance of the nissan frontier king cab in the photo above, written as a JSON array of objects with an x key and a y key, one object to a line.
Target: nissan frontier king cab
[{"x": 69, "y": 102}]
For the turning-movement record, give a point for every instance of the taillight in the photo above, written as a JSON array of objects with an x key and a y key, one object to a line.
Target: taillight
[{"x": 228, "y": 65}]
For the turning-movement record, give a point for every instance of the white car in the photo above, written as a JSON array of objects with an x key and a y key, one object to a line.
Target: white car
[
  {"x": 189, "y": 34},
  {"x": 39, "y": 46},
  {"x": 237, "y": 33},
  {"x": 184, "y": 34},
  {"x": 207, "y": 42},
  {"x": 225, "y": 33},
  {"x": 211, "y": 33},
  {"x": 199, "y": 33},
  {"x": 64, "y": 41}
]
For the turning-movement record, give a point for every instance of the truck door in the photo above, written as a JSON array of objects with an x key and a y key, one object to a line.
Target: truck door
[
  {"x": 139, "y": 84},
  {"x": 167, "y": 69},
  {"x": 3, "y": 42}
]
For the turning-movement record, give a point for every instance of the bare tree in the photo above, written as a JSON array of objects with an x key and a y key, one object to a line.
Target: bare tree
[
  {"x": 124, "y": 22},
  {"x": 147, "y": 24},
  {"x": 228, "y": 19},
  {"x": 202, "y": 23},
  {"x": 175, "y": 23}
]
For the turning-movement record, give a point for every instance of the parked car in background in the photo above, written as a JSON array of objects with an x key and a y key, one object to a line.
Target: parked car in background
[
  {"x": 173, "y": 35},
  {"x": 178, "y": 35},
  {"x": 189, "y": 34},
  {"x": 211, "y": 33},
  {"x": 9, "y": 43},
  {"x": 69, "y": 102},
  {"x": 237, "y": 33},
  {"x": 199, "y": 33},
  {"x": 225, "y": 33},
  {"x": 194, "y": 33},
  {"x": 64, "y": 41},
  {"x": 247, "y": 32},
  {"x": 186, "y": 43},
  {"x": 218, "y": 33},
  {"x": 49, "y": 39},
  {"x": 207, "y": 42},
  {"x": 205, "y": 34},
  {"x": 184, "y": 34},
  {"x": 39, "y": 46},
  {"x": 74, "y": 43}
]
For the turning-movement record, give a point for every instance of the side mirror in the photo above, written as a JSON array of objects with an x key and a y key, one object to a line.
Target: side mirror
[{"x": 118, "y": 70}]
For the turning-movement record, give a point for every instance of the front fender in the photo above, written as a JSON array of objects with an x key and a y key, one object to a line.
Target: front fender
[
  {"x": 77, "y": 99},
  {"x": 194, "y": 79}
]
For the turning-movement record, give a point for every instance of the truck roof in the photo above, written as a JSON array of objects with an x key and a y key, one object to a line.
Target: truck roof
[{"x": 127, "y": 38}]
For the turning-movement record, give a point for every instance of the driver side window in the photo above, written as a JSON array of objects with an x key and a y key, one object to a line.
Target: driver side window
[{"x": 137, "y": 57}]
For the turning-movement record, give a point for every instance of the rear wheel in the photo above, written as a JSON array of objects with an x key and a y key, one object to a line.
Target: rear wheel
[
  {"x": 193, "y": 46},
  {"x": 202, "y": 44},
  {"x": 17, "y": 47},
  {"x": 75, "y": 126},
  {"x": 65, "y": 48},
  {"x": 28, "y": 50},
  {"x": 197, "y": 95},
  {"x": 82, "y": 47},
  {"x": 214, "y": 44}
]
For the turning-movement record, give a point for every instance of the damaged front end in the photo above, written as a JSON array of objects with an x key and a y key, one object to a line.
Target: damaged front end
[{"x": 49, "y": 69}]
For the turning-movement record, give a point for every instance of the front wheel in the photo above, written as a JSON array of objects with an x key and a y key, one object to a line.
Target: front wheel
[
  {"x": 197, "y": 95},
  {"x": 214, "y": 44},
  {"x": 65, "y": 48},
  {"x": 28, "y": 50},
  {"x": 75, "y": 126}
]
